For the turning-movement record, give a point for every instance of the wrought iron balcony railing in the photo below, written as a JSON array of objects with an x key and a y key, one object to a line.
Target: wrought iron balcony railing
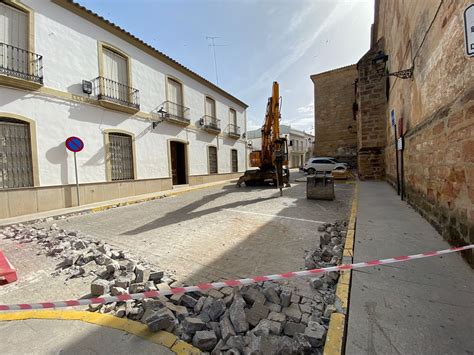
[
  {"x": 20, "y": 63},
  {"x": 175, "y": 112},
  {"x": 113, "y": 91},
  {"x": 211, "y": 123},
  {"x": 234, "y": 130}
]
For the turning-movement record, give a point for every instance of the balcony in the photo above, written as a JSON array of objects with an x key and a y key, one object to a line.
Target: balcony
[
  {"x": 233, "y": 131},
  {"x": 20, "y": 68},
  {"x": 117, "y": 96},
  {"x": 173, "y": 113},
  {"x": 211, "y": 124}
]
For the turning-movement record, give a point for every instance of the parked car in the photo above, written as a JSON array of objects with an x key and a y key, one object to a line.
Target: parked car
[{"x": 322, "y": 164}]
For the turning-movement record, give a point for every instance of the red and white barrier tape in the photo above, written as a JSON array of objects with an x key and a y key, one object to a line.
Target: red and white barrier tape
[{"x": 232, "y": 283}]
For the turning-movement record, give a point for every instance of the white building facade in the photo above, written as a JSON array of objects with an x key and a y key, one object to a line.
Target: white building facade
[
  {"x": 147, "y": 122},
  {"x": 300, "y": 144}
]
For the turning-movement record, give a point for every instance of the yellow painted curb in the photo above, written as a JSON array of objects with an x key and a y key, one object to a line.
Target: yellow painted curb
[
  {"x": 162, "y": 338},
  {"x": 334, "y": 338},
  {"x": 334, "y": 344}
]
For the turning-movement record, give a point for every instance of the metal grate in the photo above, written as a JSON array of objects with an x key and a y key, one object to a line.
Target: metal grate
[
  {"x": 234, "y": 130},
  {"x": 121, "y": 156},
  {"x": 20, "y": 63},
  {"x": 113, "y": 91},
  {"x": 235, "y": 161},
  {"x": 212, "y": 160},
  {"x": 16, "y": 168},
  {"x": 210, "y": 122}
]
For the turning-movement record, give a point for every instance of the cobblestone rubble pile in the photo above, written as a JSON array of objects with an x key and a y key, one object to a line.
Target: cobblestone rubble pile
[{"x": 265, "y": 318}]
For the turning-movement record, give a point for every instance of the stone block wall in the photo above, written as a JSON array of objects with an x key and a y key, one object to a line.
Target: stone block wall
[
  {"x": 437, "y": 106},
  {"x": 371, "y": 117},
  {"x": 335, "y": 125}
]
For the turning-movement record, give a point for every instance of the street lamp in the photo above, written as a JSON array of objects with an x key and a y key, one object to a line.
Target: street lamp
[
  {"x": 380, "y": 63},
  {"x": 162, "y": 114}
]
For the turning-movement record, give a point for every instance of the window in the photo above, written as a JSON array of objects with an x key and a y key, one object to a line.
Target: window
[
  {"x": 210, "y": 107},
  {"x": 116, "y": 75},
  {"x": 233, "y": 117},
  {"x": 121, "y": 156},
  {"x": 212, "y": 160},
  {"x": 16, "y": 169},
  {"x": 13, "y": 39},
  {"x": 235, "y": 161},
  {"x": 175, "y": 98}
]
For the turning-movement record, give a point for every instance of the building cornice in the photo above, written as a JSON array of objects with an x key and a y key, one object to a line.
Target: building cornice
[
  {"x": 140, "y": 44},
  {"x": 333, "y": 71}
]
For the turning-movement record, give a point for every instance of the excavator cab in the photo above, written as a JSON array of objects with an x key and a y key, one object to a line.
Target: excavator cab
[{"x": 272, "y": 159}]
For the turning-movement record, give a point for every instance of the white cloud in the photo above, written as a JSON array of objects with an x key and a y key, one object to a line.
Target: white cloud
[
  {"x": 299, "y": 49},
  {"x": 306, "y": 109}
]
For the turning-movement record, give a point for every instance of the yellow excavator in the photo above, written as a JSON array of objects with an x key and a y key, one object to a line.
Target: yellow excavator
[{"x": 272, "y": 159}]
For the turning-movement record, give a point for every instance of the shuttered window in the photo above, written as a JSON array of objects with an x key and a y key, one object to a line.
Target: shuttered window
[
  {"x": 210, "y": 107},
  {"x": 115, "y": 69},
  {"x": 175, "y": 97},
  {"x": 16, "y": 168},
  {"x": 235, "y": 161},
  {"x": 212, "y": 160},
  {"x": 233, "y": 117},
  {"x": 121, "y": 156},
  {"x": 13, "y": 35}
]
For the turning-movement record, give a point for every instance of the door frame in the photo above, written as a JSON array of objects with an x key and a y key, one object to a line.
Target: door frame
[{"x": 186, "y": 159}]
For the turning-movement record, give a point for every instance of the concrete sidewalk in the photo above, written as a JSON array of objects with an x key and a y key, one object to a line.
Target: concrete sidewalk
[{"x": 417, "y": 307}]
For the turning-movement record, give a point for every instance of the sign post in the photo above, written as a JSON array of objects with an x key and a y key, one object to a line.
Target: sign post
[
  {"x": 75, "y": 144},
  {"x": 469, "y": 29}
]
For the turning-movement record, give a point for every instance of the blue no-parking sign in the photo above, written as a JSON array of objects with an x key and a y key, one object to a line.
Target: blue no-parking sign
[{"x": 74, "y": 144}]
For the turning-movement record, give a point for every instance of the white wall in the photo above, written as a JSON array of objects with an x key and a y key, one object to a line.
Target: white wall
[{"x": 68, "y": 44}]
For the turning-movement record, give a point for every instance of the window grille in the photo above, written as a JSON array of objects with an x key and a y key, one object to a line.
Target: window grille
[
  {"x": 235, "y": 166},
  {"x": 16, "y": 169},
  {"x": 121, "y": 156},
  {"x": 213, "y": 160}
]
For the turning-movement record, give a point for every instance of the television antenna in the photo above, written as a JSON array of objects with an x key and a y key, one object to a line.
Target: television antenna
[{"x": 214, "y": 45}]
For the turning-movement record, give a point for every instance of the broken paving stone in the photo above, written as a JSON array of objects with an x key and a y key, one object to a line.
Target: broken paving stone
[
  {"x": 252, "y": 295},
  {"x": 176, "y": 298},
  {"x": 238, "y": 342},
  {"x": 215, "y": 293},
  {"x": 292, "y": 328},
  {"x": 80, "y": 244},
  {"x": 227, "y": 291},
  {"x": 163, "y": 287},
  {"x": 285, "y": 298},
  {"x": 199, "y": 304},
  {"x": 266, "y": 327},
  {"x": 306, "y": 308},
  {"x": 277, "y": 317},
  {"x": 304, "y": 344},
  {"x": 237, "y": 315},
  {"x": 187, "y": 300},
  {"x": 218, "y": 348},
  {"x": 205, "y": 340},
  {"x": 160, "y": 319},
  {"x": 137, "y": 287},
  {"x": 99, "y": 287},
  {"x": 143, "y": 274},
  {"x": 295, "y": 298},
  {"x": 150, "y": 286},
  {"x": 271, "y": 295},
  {"x": 192, "y": 324},
  {"x": 315, "y": 333},
  {"x": 216, "y": 309},
  {"x": 273, "y": 307},
  {"x": 330, "y": 309},
  {"x": 215, "y": 327},
  {"x": 256, "y": 313},
  {"x": 316, "y": 283},
  {"x": 228, "y": 300},
  {"x": 117, "y": 291},
  {"x": 305, "y": 318},
  {"x": 293, "y": 312},
  {"x": 227, "y": 329},
  {"x": 123, "y": 281}
]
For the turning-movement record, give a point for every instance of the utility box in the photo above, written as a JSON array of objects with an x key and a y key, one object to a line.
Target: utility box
[{"x": 320, "y": 187}]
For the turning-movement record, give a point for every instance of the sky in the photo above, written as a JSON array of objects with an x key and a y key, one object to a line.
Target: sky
[{"x": 259, "y": 41}]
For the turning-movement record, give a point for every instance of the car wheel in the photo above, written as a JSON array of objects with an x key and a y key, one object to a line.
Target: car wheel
[{"x": 311, "y": 171}]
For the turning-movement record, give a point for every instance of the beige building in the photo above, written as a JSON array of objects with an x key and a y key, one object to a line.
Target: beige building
[{"x": 334, "y": 114}]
